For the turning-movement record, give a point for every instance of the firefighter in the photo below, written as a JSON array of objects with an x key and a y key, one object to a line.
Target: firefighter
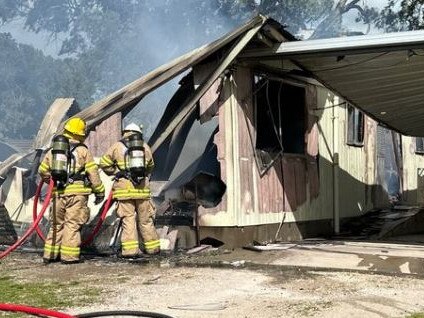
[
  {"x": 76, "y": 175},
  {"x": 130, "y": 161}
]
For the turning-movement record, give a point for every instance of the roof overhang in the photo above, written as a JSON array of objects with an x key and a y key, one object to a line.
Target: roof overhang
[{"x": 381, "y": 74}]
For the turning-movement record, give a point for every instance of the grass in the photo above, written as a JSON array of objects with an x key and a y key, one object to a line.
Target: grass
[
  {"x": 416, "y": 315},
  {"x": 306, "y": 308},
  {"x": 122, "y": 279},
  {"x": 50, "y": 295}
]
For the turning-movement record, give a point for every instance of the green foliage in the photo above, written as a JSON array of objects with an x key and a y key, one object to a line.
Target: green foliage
[
  {"x": 30, "y": 82},
  {"x": 295, "y": 14},
  {"x": 88, "y": 23},
  {"x": 401, "y": 16},
  {"x": 10, "y": 9},
  {"x": 20, "y": 76},
  {"x": 109, "y": 43},
  {"x": 73, "y": 17}
]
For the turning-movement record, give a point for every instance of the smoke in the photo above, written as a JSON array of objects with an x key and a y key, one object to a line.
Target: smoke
[
  {"x": 157, "y": 33},
  {"x": 128, "y": 41},
  {"x": 133, "y": 38}
]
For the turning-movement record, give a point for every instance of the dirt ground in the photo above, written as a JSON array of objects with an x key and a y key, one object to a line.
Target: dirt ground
[{"x": 160, "y": 286}]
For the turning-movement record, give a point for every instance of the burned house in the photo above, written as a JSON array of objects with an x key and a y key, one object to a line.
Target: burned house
[
  {"x": 271, "y": 138},
  {"x": 291, "y": 156}
]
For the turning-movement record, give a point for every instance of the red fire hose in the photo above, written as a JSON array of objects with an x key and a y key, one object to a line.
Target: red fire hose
[
  {"x": 34, "y": 224},
  {"x": 100, "y": 221},
  {"x": 96, "y": 229},
  {"x": 33, "y": 311},
  {"x": 50, "y": 313},
  {"x": 35, "y": 208}
]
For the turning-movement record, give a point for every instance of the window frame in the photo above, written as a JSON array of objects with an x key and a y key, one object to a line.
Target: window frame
[
  {"x": 269, "y": 77},
  {"x": 355, "y": 142},
  {"x": 419, "y": 151}
]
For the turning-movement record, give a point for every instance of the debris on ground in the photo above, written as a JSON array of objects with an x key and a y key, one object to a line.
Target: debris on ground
[{"x": 210, "y": 291}]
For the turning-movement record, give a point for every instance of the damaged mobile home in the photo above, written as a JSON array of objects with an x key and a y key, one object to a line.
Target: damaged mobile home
[{"x": 269, "y": 137}]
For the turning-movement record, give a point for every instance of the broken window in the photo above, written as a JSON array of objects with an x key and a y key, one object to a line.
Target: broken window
[
  {"x": 279, "y": 119},
  {"x": 419, "y": 145},
  {"x": 355, "y": 126}
]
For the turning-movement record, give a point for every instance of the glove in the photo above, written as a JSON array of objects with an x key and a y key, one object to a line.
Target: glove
[
  {"x": 121, "y": 174},
  {"x": 99, "y": 198}
]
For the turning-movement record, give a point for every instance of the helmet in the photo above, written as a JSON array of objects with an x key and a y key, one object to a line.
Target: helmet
[
  {"x": 75, "y": 126},
  {"x": 133, "y": 127}
]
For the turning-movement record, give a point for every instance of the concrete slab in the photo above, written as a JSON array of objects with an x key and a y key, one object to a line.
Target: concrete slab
[{"x": 356, "y": 256}]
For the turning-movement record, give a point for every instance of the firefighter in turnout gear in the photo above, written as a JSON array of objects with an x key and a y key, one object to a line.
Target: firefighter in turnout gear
[
  {"x": 130, "y": 161},
  {"x": 70, "y": 164}
]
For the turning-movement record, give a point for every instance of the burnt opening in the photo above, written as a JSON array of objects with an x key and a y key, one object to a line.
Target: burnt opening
[
  {"x": 212, "y": 242},
  {"x": 280, "y": 119}
]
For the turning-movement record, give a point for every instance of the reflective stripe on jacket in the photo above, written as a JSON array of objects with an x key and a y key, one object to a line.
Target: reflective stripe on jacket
[
  {"x": 113, "y": 161},
  {"x": 84, "y": 165}
]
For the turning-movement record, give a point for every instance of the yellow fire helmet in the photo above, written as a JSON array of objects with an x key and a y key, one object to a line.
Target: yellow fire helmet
[{"x": 76, "y": 126}]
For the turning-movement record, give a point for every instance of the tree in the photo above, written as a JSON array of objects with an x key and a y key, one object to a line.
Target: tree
[
  {"x": 401, "y": 16},
  {"x": 89, "y": 23},
  {"x": 9, "y": 9},
  {"x": 78, "y": 19},
  {"x": 331, "y": 25},
  {"x": 29, "y": 83},
  {"x": 324, "y": 16},
  {"x": 109, "y": 43},
  {"x": 295, "y": 14}
]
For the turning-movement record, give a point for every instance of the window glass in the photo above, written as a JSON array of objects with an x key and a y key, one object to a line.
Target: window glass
[
  {"x": 419, "y": 145},
  {"x": 355, "y": 126}
]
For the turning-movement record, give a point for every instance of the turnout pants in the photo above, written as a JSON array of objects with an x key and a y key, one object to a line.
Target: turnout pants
[
  {"x": 138, "y": 220},
  {"x": 67, "y": 216}
]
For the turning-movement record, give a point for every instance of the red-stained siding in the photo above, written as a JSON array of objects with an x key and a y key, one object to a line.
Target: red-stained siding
[
  {"x": 104, "y": 135},
  {"x": 283, "y": 186}
]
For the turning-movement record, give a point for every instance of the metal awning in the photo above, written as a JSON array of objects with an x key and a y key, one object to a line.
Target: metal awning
[{"x": 381, "y": 74}]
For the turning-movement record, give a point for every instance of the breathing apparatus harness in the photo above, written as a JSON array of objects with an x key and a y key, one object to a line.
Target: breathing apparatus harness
[
  {"x": 64, "y": 163},
  {"x": 63, "y": 173},
  {"x": 60, "y": 160},
  {"x": 134, "y": 158}
]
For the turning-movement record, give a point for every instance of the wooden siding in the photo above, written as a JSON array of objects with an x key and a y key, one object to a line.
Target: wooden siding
[
  {"x": 285, "y": 187},
  {"x": 298, "y": 186},
  {"x": 105, "y": 135},
  {"x": 209, "y": 103},
  {"x": 356, "y": 167},
  {"x": 413, "y": 165},
  {"x": 221, "y": 141}
]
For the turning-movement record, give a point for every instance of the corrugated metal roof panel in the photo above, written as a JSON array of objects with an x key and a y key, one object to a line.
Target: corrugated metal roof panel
[
  {"x": 381, "y": 74},
  {"x": 345, "y": 45},
  {"x": 388, "y": 86}
]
